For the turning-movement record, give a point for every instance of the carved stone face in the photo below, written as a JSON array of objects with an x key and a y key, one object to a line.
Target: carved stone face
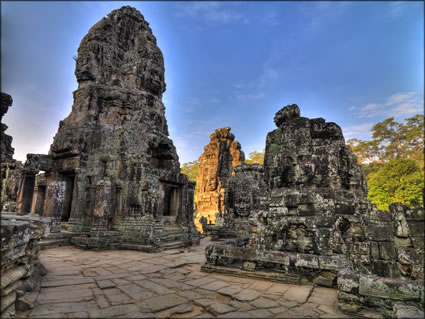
[
  {"x": 211, "y": 184},
  {"x": 243, "y": 204}
]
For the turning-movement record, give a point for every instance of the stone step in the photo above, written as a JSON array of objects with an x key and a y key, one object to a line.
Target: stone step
[
  {"x": 145, "y": 248},
  {"x": 63, "y": 235},
  {"x": 53, "y": 243},
  {"x": 81, "y": 240},
  {"x": 172, "y": 237},
  {"x": 172, "y": 245}
]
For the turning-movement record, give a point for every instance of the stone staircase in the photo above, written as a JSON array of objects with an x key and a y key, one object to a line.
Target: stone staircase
[
  {"x": 172, "y": 238},
  {"x": 54, "y": 240}
]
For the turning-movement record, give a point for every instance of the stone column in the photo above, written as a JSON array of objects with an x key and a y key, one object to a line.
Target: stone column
[
  {"x": 55, "y": 197},
  {"x": 38, "y": 199}
]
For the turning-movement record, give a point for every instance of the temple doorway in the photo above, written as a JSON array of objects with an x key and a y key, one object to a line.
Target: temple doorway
[
  {"x": 171, "y": 202},
  {"x": 69, "y": 190}
]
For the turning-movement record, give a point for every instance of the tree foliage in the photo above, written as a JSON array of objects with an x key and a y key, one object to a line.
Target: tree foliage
[
  {"x": 392, "y": 140},
  {"x": 399, "y": 180},
  {"x": 393, "y": 161},
  {"x": 191, "y": 169},
  {"x": 256, "y": 157}
]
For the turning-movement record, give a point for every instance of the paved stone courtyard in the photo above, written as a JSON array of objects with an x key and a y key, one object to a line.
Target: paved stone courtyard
[{"x": 133, "y": 284}]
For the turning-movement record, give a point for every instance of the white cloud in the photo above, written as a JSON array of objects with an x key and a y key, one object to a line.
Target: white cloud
[
  {"x": 250, "y": 96},
  {"x": 398, "y": 105},
  {"x": 355, "y": 130},
  {"x": 215, "y": 13}
]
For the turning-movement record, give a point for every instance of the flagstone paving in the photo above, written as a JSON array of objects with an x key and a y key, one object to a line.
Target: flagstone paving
[{"x": 133, "y": 284}]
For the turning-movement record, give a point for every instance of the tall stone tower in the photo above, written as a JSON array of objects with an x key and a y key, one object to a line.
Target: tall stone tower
[
  {"x": 217, "y": 164},
  {"x": 111, "y": 158}
]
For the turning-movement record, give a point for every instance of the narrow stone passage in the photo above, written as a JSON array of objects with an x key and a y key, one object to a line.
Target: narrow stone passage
[{"x": 133, "y": 284}]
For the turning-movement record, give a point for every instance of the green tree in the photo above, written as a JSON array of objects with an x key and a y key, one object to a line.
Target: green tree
[
  {"x": 392, "y": 140},
  {"x": 256, "y": 157},
  {"x": 399, "y": 180},
  {"x": 191, "y": 169}
]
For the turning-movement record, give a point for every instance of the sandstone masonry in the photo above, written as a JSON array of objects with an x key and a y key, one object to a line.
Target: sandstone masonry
[{"x": 112, "y": 175}]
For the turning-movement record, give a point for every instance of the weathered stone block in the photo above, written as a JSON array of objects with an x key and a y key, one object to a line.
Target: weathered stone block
[
  {"x": 379, "y": 232},
  {"x": 348, "y": 281},
  {"x": 416, "y": 228},
  {"x": 389, "y": 288},
  {"x": 387, "y": 250},
  {"x": 307, "y": 261},
  {"x": 407, "y": 312},
  {"x": 374, "y": 249},
  {"x": 325, "y": 278},
  {"x": 249, "y": 265}
]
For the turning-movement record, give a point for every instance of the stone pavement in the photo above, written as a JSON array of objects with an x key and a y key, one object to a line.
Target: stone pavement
[{"x": 133, "y": 284}]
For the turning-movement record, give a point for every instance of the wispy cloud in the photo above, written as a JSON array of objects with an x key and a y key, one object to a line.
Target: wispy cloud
[
  {"x": 322, "y": 13},
  {"x": 271, "y": 18},
  {"x": 250, "y": 96},
  {"x": 397, "y": 8},
  {"x": 214, "y": 13},
  {"x": 355, "y": 130},
  {"x": 397, "y": 105}
]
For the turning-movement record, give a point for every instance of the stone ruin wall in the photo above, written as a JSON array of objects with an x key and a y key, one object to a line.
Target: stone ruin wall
[
  {"x": 21, "y": 270},
  {"x": 10, "y": 168},
  {"x": 111, "y": 160},
  {"x": 217, "y": 164},
  {"x": 315, "y": 224}
]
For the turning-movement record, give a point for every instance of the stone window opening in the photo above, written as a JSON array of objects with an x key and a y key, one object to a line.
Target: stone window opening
[{"x": 161, "y": 157}]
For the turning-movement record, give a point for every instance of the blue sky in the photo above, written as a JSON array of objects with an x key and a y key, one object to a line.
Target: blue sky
[{"x": 227, "y": 64}]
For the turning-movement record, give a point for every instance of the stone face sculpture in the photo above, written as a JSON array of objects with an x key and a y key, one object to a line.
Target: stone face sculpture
[
  {"x": 112, "y": 167},
  {"x": 314, "y": 224},
  {"x": 217, "y": 165},
  {"x": 242, "y": 197},
  {"x": 10, "y": 168}
]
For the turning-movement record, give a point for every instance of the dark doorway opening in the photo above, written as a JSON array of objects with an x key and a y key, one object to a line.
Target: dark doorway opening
[
  {"x": 171, "y": 200},
  {"x": 41, "y": 196},
  {"x": 69, "y": 190}
]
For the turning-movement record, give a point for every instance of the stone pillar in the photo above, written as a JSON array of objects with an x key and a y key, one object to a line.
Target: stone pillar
[
  {"x": 26, "y": 191},
  {"x": 102, "y": 207},
  {"x": 54, "y": 203},
  {"x": 38, "y": 200}
]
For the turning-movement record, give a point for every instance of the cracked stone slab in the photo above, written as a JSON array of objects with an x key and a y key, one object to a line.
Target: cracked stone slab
[
  {"x": 162, "y": 302},
  {"x": 59, "y": 308},
  {"x": 246, "y": 295},
  {"x": 66, "y": 282},
  {"x": 135, "y": 292},
  {"x": 259, "y": 313},
  {"x": 215, "y": 285},
  {"x": 298, "y": 294},
  {"x": 64, "y": 296},
  {"x": 200, "y": 282},
  {"x": 190, "y": 295},
  {"x": 264, "y": 303},
  {"x": 230, "y": 290},
  {"x": 158, "y": 289},
  {"x": 219, "y": 308},
  {"x": 103, "y": 284},
  {"x": 113, "y": 311}
]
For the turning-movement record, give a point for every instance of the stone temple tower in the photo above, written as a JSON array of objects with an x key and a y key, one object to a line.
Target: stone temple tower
[
  {"x": 111, "y": 160},
  {"x": 217, "y": 164}
]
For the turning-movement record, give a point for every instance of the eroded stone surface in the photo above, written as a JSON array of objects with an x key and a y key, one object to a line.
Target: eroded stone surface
[
  {"x": 314, "y": 224},
  {"x": 83, "y": 300},
  {"x": 217, "y": 164},
  {"x": 112, "y": 171}
]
